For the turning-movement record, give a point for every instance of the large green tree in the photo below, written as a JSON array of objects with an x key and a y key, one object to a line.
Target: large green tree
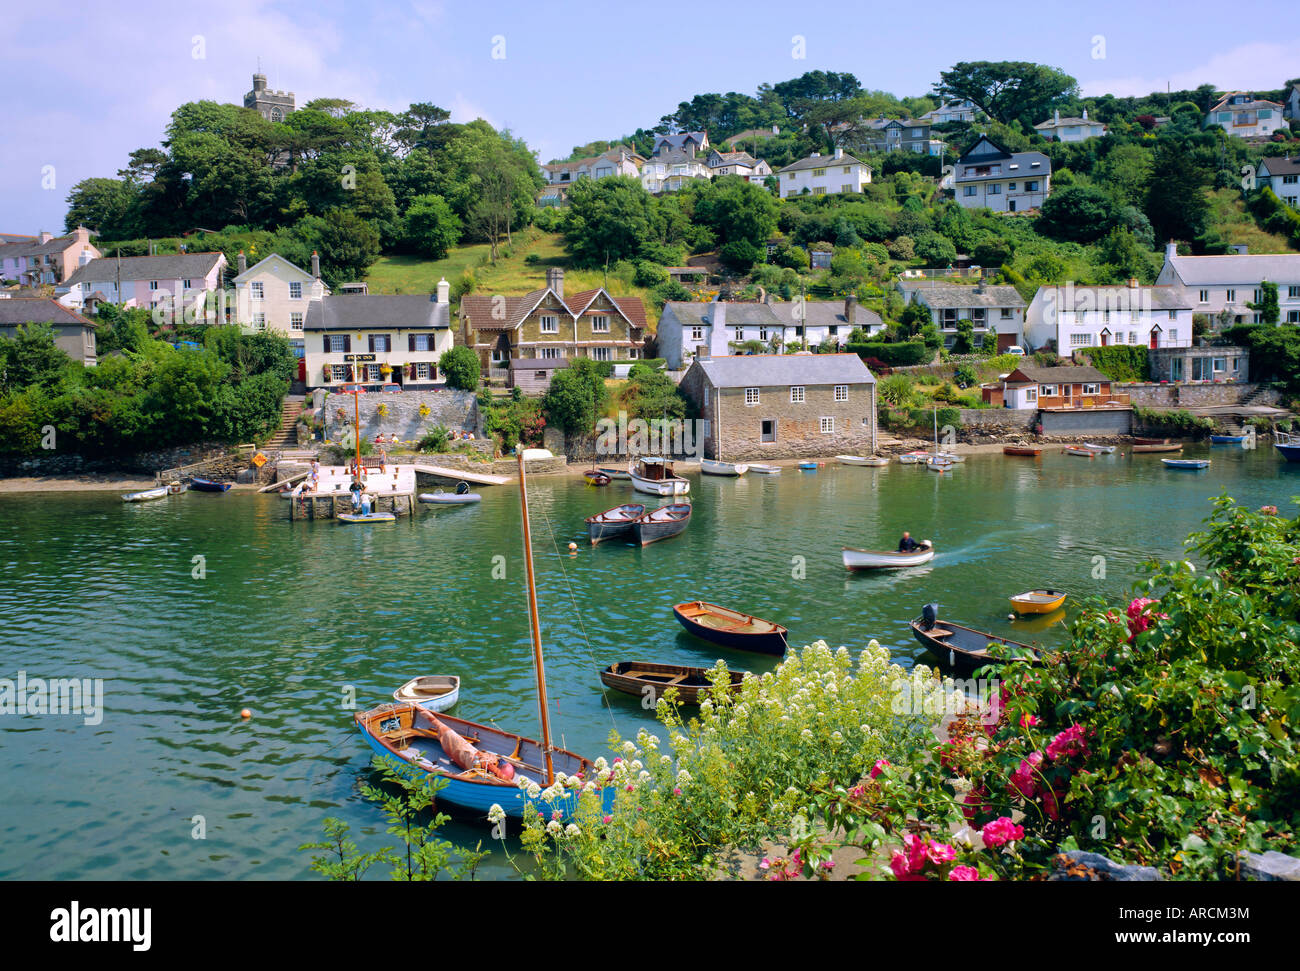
[{"x": 1009, "y": 91}]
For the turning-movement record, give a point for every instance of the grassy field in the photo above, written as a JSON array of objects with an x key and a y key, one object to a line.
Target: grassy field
[
  {"x": 511, "y": 275},
  {"x": 1228, "y": 213}
]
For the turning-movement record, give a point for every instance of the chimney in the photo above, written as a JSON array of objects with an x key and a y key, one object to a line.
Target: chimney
[
  {"x": 1132, "y": 283},
  {"x": 555, "y": 280},
  {"x": 315, "y": 264},
  {"x": 1171, "y": 250},
  {"x": 851, "y": 309},
  {"x": 243, "y": 263},
  {"x": 444, "y": 291},
  {"x": 1085, "y": 114},
  {"x": 839, "y": 152},
  {"x": 1056, "y": 117},
  {"x": 46, "y": 237}
]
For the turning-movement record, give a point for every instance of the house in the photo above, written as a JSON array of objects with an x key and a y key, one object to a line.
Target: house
[
  {"x": 820, "y": 174},
  {"x": 35, "y": 260},
  {"x": 1076, "y": 317},
  {"x": 781, "y": 405},
  {"x": 1190, "y": 365},
  {"x": 677, "y": 159},
  {"x": 690, "y": 143},
  {"x": 721, "y": 328},
  {"x": 893, "y": 135},
  {"x": 274, "y": 294},
  {"x": 1225, "y": 284},
  {"x": 1292, "y": 109},
  {"x": 738, "y": 163},
  {"x": 1282, "y": 175},
  {"x": 617, "y": 161},
  {"x": 271, "y": 105},
  {"x": 73, "y": 333},
  {"x": 1059, "y": 129},
  {"x": 996, "y": 308},
  {"x": 1059, "y": 388},
  {"x": 1242, "y": 114},
  {"x": 987, "y": 175},
  {"x": 949, "y": 111},
  {"x": 145, "y": 281},
  {"x": 377, "y": 339},
  {"x": 547, "y": 324}
]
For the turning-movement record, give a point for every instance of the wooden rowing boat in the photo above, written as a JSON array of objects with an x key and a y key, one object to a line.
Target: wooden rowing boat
[
  {"x": 614, "y": 522},
  {"x": 1138, "y": 440},
  {"x": 856, "y": 559},
  {"x": 914, "y": 458},
  {"x": 1018, "y": 449},
  {"x": 434, "y": 692},
  {"x": 1084, "y": 453},
  {"x": 765, "y": 469},
  {"x": 650, "y": 681},
  {"x": 209, "y": 485},
  {"x": 874, "y": 461},
  {"x": 1186, "y": 463},
  {"x": 1167, "y": 447},
  {"x": 661, "y": 523},
  {"x": 1227, "y": 439},
  {"x": 731, "y": 628},
  {"x": 596, "y": 477},
  {"x": 808, "y": 466},
  {"x": 622, "y": 474},
  {"x": 964, "y": 648},
  {"x": 711, "y": 467},
  {"x": 146, "y": 495},
  {"x": 1099, "y": 449},
  {"x": 1037, "y": 601},
  {"x": 356, "y": 518}
]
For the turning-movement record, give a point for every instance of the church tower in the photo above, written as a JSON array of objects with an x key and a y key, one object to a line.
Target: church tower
[{"x": 272, "y": 105}]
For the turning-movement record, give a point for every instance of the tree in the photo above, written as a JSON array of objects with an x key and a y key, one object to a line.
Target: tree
[
  {"x": 1009, "y": 91},
  {"x": 31, "y": 358},
  {"x": 460, "y": 366},
  {"x": 737, "y": 210},
  {"x": 1122, "y": 258},
  {"x": 575, "y": 397},
  {"x": 964, "y": 343},
  {"x": 347, "y": 244},
  {"x": 1176, "y": 202},
  {"x": 1125, "y": 173},
  {"x": 431, "y": 227},
  {"x": 108, "y": 206},
  {"x": 1078, "y": 213},
  {"x": 1267, "y": 307},
  {"x": 608, "y": 220}
]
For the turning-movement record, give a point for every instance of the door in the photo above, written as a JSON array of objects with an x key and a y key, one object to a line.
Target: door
[
  {"x": 1155, "y": 337},
  {"x": 768, "y": 431},
  {"x": 1011, "y": 206}
]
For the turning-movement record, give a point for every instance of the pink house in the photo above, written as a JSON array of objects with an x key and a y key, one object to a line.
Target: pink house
[
  {"x": 44, "y": 259},
  {"x": 142, "y": 281}
]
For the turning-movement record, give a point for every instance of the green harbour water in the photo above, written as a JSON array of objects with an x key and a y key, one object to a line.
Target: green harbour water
[{"x": 292, "y": 618}]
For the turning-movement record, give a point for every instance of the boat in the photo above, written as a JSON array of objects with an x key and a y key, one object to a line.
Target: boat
[
  {"x": 433, "y": 692},
  {"x": 622, "y": 474},
  {"x": 1139, "y": 440},
  {"x": 176, "y": 488},
  {"x": 962, "y": 647},
  {"x": 1287, "y": 444},
  {"x": 655, "y": 476},
  {"x": 872, "y": 460},
  {"x": 808, "y": 466},
  {"x": 765, "y": 469},
  {"x": 1021, "y": 448},
  {"x": 355, "y": 518},
  {"x": 649, "y": 681},
  {"x": 711, "y": 467},
  {"x": 1099, "y": 449},
  {"x": 661, "y": 523},
  {"x": 937, "y": 461},
  {"x": 914, "y": 457},
  {"x": 596, "y": 477},
  {"x": 731, "y": 628},
  {"x": 1186, "y": 463},
  {"x": 1037, "y": 601},
  {"x": 1227, "y": 439},
  {"x": 1146, "y": 448},
  {"x": 461, "y": 497},
  {"x": 146, "y": 495},
  {"x": 481, "y": 765},
  {"x": 614, "y": 522},
  {"x": 935, "y": 464},
  {"x": 856, "y": 559},
  {"x": 209, "y": 485},
  {"x": 1081, "y": 452}
]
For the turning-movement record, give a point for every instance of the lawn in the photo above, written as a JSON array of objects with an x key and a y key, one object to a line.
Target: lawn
[{"x": 1228, "y": 214}]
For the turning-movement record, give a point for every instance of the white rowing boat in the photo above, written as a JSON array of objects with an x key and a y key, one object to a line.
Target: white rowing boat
[
  {"x": 766, "y": 469},
  {"x": 711, "y": 467},
  {"x": 146, "y": 495},
  {"x": 433, "y": 692},
  {"x": 855, "y": 559}
]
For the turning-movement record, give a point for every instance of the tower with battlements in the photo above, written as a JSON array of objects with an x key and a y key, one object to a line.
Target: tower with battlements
[{"x": 273, "y": 105}]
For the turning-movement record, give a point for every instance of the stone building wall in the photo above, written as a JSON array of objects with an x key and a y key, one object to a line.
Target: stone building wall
[
  {"x": 737, "y": 427},
  {"x": 56, "y": 463},
  {"x": 452, "y": 409},
  {"x": 1149, "y": 395}
]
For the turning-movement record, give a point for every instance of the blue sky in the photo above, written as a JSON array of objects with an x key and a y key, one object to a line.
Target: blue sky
[{"x": 87, "y": 83}]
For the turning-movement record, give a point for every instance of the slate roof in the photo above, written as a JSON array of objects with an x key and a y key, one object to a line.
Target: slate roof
[
  {"x": 26, "y": 310},
  {"x": 694, "y": 313},
  {"x": 361, "y": 311},
  {"x": 680, "y": 139},
  {"x": 1057, "y": 375},
  {"x": 34, "y": 246},
  {"x": 1253, "y": 105},
  {"x": 1282, "y": 166},
  {"x": 514, "y": 310},
  {"x": 824, "y": 313},
  {"x": 1122, "y": 298},
  {"x": 1246, "y": 270},
  {"x": 768, "y": 370},
  {"x": 173, "y": 266},
  {"x": 942, "y": 297},
  {"x": 822, "y": 161}
]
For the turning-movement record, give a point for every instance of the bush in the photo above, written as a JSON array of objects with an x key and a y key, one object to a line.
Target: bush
[
  {"x": 461, "y": 368},
  {"x": 1126, "y": 362},
  {"x": 904, "y": 354},
  {"x": 966, "y": 376},
  {"x": 896, "y": 390},
  {"x": 649, "y": 275},
  {"x": 436, "y": 440},
  {"x": 1177, "y": 422}
]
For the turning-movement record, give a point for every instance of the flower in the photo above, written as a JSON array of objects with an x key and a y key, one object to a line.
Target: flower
[
  {"x": 964, "y": 873},
  {"x": 496, "y": 814},
  {"x": 1028, "y": 721},
  {"x": 1068, "y": 743},
  {"x": 1001, "y": 830},
  {"x": 677, "y": 791},
  {"x": 939, "y": 852},
  {"x": 572, "y": 830},
  {"x": 879, "y": 767},
  {"x": 766, "y": 864},
  {"x": 553, "y": 828},
  {"x": 1022, "y": 780},
  {"x": 607, "y": 820},
  {"x": 974, "y": 803}
]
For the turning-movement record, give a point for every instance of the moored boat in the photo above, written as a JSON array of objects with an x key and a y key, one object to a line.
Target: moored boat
[
  {"x": 731, "y": 628},
  {"x": 650, "y": 681},
  {"x": 596, "y": 477},
  {"x": 1099, "y": 449},
  {"x": 1287, "y": 445},
  {"x": 1139, "y": 440},
  {"x": 937, "y": 463},
  {"x": 914, "y": 457},
  {"x": 200, "y": 484},
  {"x": 655, "y": 476},
  {"x": 614, "y": 522},
  {"x": 1186, "y": 463},
  {"x": 856, "y": 559},
  {"x": 809, "y": 466},
  {"x": 176, "y": 488},
  {"x": 462, "y": 496},
  {"x": 732, "y": 469},
  {"x": 1076, "y": 450},
  {"x": 765, "y": 469},
  {"x": 1148, "y": 447},
  {"x": 661, "y": 523},
  {"x": 960, "y": 647},
  {"x": 1037, "y": 601},
  {"x": 871, "y": 460},
  {"x": 146, "y": 495},
  {"x": 1021, "y": 448},
  {"x": 357, "y": 518},
  {"x": 622, "y": 474},
  {"x": 1227, "y": 439},
  {"x": 433, "y": 692}
]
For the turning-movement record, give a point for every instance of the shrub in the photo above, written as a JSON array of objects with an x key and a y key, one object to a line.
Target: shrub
[
  {"x": 461, "y": 367},
  {"x": 965, "y": 376},
  {"x": 436, "y": 440},
  {"x": 1126, "y": 362},
  {"x": 904, "y": 354},
  {"x": 896, "y": 390}
]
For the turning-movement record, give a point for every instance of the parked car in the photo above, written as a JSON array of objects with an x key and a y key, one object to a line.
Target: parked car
[
  {"x": 350, "y": 389},
  {"x": 1015, "y": 349},
  {"x": 389, "y": 387}
]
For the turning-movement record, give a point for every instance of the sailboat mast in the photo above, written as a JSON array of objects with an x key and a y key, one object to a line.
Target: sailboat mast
[{"x": 536, "y": 625}]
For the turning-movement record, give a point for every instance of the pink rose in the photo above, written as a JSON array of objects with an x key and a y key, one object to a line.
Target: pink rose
[
  {"x": 940, "y": 853},
  {"x": 1022, "y": 780},
  {"x": 1001, "y": 830},
  {"x": 964, "y": 873},
  {"x": 1067, "y": 744},
  {"x": 879, "y": 767}
]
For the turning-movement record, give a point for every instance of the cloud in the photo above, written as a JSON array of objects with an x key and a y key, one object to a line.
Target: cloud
[{"x": 1247, "y": 67}]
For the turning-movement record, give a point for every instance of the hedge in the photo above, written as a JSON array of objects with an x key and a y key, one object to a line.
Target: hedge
[
  {"x": 903, "y": 419},
  {"x": 904, "y": 354},
  {"x": 1119, "y": 362}
]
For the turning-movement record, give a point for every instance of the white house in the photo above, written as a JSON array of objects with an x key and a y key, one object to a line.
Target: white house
[
  {"x": 1215, "y": 284},
  {"x": 959, "y": 110},
  {"x": 351, "y": 338},
  {"x": 988, "y": 175},
  {"x": 820, "y": 175},
  {"x": 1076, "y": 317},
  {"x": 738, "y": 163},
  {"x": 616, "y": 161},
  {"x": 1060, "y": 129},
  {"x": 1282, "y": 175},
  {"x": 1239, "y": 113},
  {"x": 996, "y": 308},
  {"x": 274, "y": 294}
]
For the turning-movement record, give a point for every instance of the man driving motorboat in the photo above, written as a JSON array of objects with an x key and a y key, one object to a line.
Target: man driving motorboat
[{"x": 907, "y": 544}]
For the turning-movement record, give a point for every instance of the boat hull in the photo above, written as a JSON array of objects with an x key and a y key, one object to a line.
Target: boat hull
[
  {"x": 1025, "y": 450},
  {"x": 855, "y": 559},
  {"x": 1191, "y": 465},
  {"x": 148, "y": 495},
  {"x": 450, "y": 498},
  {"x": 434, "y": 692},
  {"x": 622, "y": 474},
  {"x": 742, "y": 632},
  {"x": 650, "y": 681},
  {"x": 1289, "y": 452},
  {"x": 613, "y": 523},
  {"x": 962, "y": 648},
  {"x": 1149, "y": 449},
  {"x": 1227, "y": 439},
  {"x": 1037, "y": 602},
  {"x": 710, "y": 467},
  {"x": 356, "y": 518},
  {"x": 647, "y": 530},
  {"x": 766, "y": 469},
  {"x": 209, "y": 485},
  {"x": 661, "y": 487},
  {"x": 596, "y": 478}
]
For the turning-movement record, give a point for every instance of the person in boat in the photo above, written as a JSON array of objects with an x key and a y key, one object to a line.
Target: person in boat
[
  {"x": 356, "y": 494},
  {"x": 367, "y": 501},
  {"x": 907, "y": 544}
]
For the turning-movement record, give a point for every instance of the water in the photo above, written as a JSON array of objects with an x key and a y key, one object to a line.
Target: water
[{"x": 291, "y": 617}]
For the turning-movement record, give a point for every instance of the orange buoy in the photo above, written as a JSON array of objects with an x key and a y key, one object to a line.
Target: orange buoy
[{"x": 245, "y": 714}]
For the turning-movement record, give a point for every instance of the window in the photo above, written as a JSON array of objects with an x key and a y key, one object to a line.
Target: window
[
  {"x": 337, "y": 372},
  {"x": 740, "y": 334},
  {"x": 550, "y": 325},
  {"x": 295, "y": 321},
  {"x": 1293, "y": 293},
  {"x": 828, "y": 426},
  {"x": 335, "y": 344},
  {"x": 762, "y": 333},
  {"x": 1259, "y": 295},
  {"x": 1048, "y": 391},
  {"x": 424, "y": 371},
  {"x": 1205, "y": 296},
  {"x": 768, "y": 430},
  {"x": 697, "y": 333},
  {"x": 818, "y": 173},
  {"x": 1132, "y": 337},
  {"x": 796, "y": 394},
  {"x": 1011, "y": 187},
  {"x": 421, "y": 342},
  {"x": 1173, "y": 315},
  {"x": 1220, "y": 364},
  {"x": 751, "y": 397},
  {"x": 600, "y": 325},
  {"x": 549, "y": 353},
  {"x": 601, "y": 354},
  {"x": 381, "y": 343},
  {"x": 1290, "y": 179},
  {"x": 153, "y": 284},
  {"x": 187, "y": 284},
  {"x": 1173, "y": 335},
  {"x": 295, "y": 291},
  {"x": 995, "y": 189},
  {"x": 847, "y": 187},
  {"x": 1006, "y": 313},
  {"x": 847, "y": 169},
  {"x": 841, "y": 392},
  {"x": 256, "y": 291},
  {"x": 819, "y": 190},
  {"x": 968, "y": 190},
  {"x": 1092, "y": 389},
  {"x": 1031, "y": 185},
  {"x": 539, "y": 375},
  {"x": 1293, "y": 316},
  {"x": 1031, "y": 395},
  {"x": 1081, "y": 340},
  {"x": 259, "y": 321},
  {"x": 1229, "y": 295},
  {"x": 372, "y": 372}
]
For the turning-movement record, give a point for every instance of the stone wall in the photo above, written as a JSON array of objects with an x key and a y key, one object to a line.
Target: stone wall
[
  {"x": 452, "y": 409},
  {"x": 984, "y": 423},
  {"x": 1194, "y": 395},
  {"x": 55, "y": 463},
  {"x": 1075, "y": 423},
  {"x": 737, "y": 427}
]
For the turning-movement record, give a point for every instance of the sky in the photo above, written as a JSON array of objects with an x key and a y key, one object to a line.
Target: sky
[{"x": 88, "y": 82}]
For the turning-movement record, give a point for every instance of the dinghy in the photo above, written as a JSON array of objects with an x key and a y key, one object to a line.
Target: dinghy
[
  {"x": 1287, "y": 445},
  {"x": 596, "y": 477},
  {"x": 765, "y": 469},
  {"x": 1166, "y": 447},
  {"x": 1037, "y": 601},
  {"x": 662, "y": 523},
  {"x": 808, "y": 466},
  {"x": 146, "y": 495},
  {"x": 1021, "y": 448},
  {"x": 209, "y": 485},
  {"x": 1099, "y": 449},
  {"x": 356, "y": 518},
  {"x": 731, "y": 628},
  {"x": 1186, "y": 463},
  {"x": 614, "y": 522},
  {"x": 433, "y": 692},
  {"x": 655, "y": 476},
  {"x": 960, "y": 647},
  {"x": 914, "y": 458},
  {"x": 622, "y": 474},
  {"x": 461, "y": 497},
  {"x": 1227, "y": 439},
  {"x": 856, "y": 559},
  {"x": 710, "y": 467},
  {"x": 1080, "y": 452},
  {"x": 176, "y": 488},
  {"x": 647, "y": 680}
]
